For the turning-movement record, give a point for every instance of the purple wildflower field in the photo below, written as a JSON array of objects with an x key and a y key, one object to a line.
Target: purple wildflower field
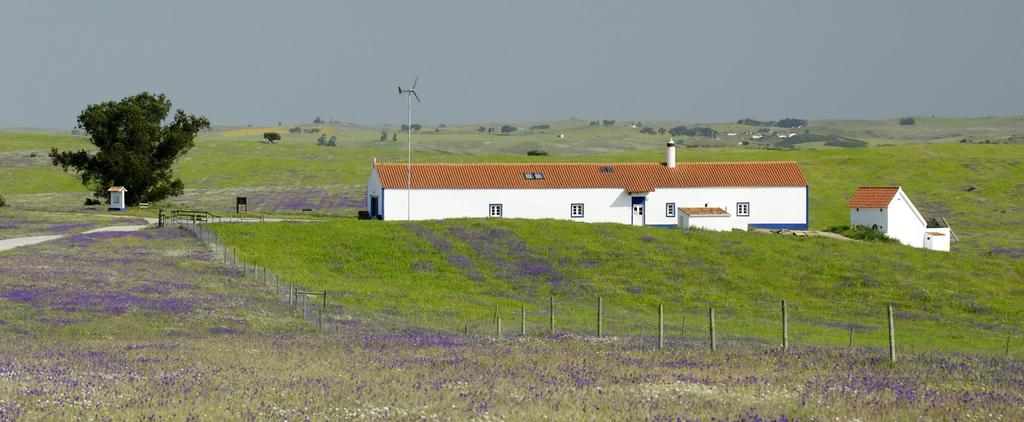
[
  {"x": 330, "y": 200},
  {"x": 151, "y": 325},
  {"x": 150, "y": 283},
  {"x": 497, "y": 252}
]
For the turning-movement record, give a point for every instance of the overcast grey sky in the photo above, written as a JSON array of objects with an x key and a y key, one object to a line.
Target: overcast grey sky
[{"x": 260, "y": 62}]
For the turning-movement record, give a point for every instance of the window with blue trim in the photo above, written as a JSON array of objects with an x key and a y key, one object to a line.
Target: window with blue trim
[
  {"x": 494, "y": 210},
  {"x": 670, "y": 209},
  {"x": 576, "y": 211},
  {"x": 743, "y": 209}
]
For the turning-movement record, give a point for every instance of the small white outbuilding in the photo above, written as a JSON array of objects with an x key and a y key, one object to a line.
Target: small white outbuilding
[
  {"x": 888, "y": 209},
  {"x": 709, "y": 218},
  {"x": 118, "y": 198}
]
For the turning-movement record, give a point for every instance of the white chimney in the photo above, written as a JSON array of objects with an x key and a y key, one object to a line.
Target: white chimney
[{"x": 670, "y": 159}]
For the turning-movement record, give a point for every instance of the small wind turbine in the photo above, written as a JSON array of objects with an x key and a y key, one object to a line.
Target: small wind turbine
[{"x": 410, "y": 92}]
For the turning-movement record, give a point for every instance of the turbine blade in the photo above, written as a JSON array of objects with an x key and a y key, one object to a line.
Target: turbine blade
[
  {"x": 414, "y": 81},
  {"x": 414, "y": 95},
  {"x": 399, "y": 90}
]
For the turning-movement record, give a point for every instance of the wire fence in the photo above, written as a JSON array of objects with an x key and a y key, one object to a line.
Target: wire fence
[{"x": 607, "y": 318}]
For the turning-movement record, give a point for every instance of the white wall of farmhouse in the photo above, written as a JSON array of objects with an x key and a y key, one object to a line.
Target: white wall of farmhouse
[
  {"x": 599, "y": 205},
  {"x": 770, "y": 207},
  {"x": 374, "y": 192},
  {"x": 870, "y": 217}
]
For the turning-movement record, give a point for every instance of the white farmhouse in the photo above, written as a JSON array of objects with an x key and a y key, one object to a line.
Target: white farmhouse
[
  {"x": 755, "y": 194},
  {"x": 118, "y": 198},
  {"x": 888, "y": 209}
]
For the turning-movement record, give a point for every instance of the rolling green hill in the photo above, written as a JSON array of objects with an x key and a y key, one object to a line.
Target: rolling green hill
[
  {"x": 974, "y": 186},
  {"x": 452, "y": 274}
]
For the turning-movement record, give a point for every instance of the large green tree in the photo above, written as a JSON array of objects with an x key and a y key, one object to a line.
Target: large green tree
[{"x": 135, "y": 149}]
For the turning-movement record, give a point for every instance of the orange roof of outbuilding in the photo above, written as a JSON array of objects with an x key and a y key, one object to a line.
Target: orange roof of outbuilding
[
  {"x": 705, "y": 211},
  {"x": 633, "y": 177},
  {"x": 873, "y": 196},
  {"x": 117, "y": 189}
]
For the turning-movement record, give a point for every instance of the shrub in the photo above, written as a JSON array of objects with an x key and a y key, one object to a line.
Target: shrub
[
  {"x": 536, "y": 152},
  {"x": 907, "y": 121},
  {"x": 861, "y": 233},
  {"x": 3, "y": 201},
  {"x": 92, "y": 201}
]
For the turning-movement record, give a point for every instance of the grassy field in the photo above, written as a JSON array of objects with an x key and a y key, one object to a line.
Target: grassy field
[
  {"x": 451, "y": 274},
  {"x": 151, "y": 325},
  {"x": 156, "y": 325}
]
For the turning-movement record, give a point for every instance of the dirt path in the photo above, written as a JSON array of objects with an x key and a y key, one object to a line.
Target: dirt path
[
  {"x": 12, "y": 243},
  {"x": 6, "y": 244}
]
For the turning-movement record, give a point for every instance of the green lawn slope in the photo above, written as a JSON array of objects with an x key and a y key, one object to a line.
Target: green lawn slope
[{"x": 452, "y": 274}]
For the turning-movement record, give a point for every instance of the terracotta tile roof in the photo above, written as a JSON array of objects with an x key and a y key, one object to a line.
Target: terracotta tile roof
[
  {"x": 936, "y": 233},
  {"x": 117, "y": 189},
  {"x": 873, "y": 196},
  {"x": 633, "y": 177},
  {"x": 705, "y": 211}
]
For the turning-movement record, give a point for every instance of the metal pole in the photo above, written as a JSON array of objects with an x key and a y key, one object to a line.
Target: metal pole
[
  {"x": 499, "y": 327},
  {"x": 892, "y": 338},
  {"x": 408, "y": 173}
]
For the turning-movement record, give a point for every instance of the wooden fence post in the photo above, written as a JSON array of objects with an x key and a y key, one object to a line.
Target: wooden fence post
[
  {"x": 1006, "y": 352},
  {"x": 682, "y": 324},
  {"x": 600, "y": 316},
  {"x": 661, "y": 327},
  {"x": 522, "y": 320},
  {"x": 892, "y": 338},
  {"x": 551, "y": 316},
  {"x": 499, "y": 327},
  {"x": 785, "y": 328},
  {"x": 495, "y": 321},
  {"x": 850, "y": 345},
  {"x": 711, "y": 325}
]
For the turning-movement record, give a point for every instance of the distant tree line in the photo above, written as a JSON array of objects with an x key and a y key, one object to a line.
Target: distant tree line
[
  {"x": 602, "y": 123},
  {"x": 907, "y": 121},
  {"x": 540, "y": 127},
  {"x": 704, "y": 132},
  {"x": 297, "y": 130},
  {"x": 788, "y": 123}
]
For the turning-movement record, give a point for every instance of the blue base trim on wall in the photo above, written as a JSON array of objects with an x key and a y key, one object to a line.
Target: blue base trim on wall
[
  {"x": 778, "y": 226},
  {"x": 664, "y": 226}
]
